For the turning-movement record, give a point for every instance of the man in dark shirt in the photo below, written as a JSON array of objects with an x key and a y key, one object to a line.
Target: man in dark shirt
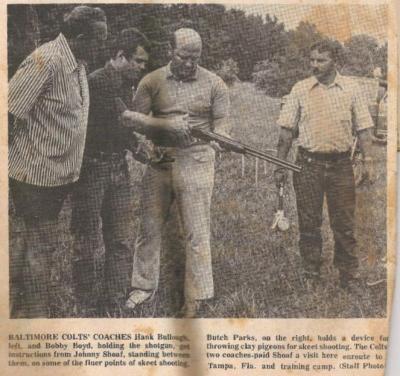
[{"x": 102, "y": 200}]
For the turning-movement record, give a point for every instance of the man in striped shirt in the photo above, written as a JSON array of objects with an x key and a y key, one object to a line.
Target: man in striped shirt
[{"x": 49, "y": 100}]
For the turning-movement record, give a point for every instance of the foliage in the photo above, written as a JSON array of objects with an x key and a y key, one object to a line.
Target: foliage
[
  {"x": 381, "y": 59},
  {"x": 276, "y": 76},
  {"x": 360, "y": 55},
  {"x": 228, "y": 70},
  {"x": 260, "y": 46},
  {"x": 226, "y": 33}
]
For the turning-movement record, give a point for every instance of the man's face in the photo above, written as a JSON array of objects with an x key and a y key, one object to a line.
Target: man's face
[
  {"x": 322, "y": 64},
  {"x": 184, "y": 60},
  {"x": 137, "y": 64}
]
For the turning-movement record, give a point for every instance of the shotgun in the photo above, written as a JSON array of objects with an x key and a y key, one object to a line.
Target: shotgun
[{"x": 238, "y": 147}]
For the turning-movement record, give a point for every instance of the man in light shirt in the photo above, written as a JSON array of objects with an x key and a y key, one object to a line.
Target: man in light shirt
[
  {"x": 186, "y": 174},
  {"x": 324, "y": 111}
]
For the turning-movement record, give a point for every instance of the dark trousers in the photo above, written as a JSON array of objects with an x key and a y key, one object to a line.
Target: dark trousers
[
  {"x": 102, "y": 212},
  {"x": 335, "y": 179},
  {"x": 32, "y": 243}
]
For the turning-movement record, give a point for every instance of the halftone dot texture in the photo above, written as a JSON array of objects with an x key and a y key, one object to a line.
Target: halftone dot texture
[
  {"x": 256, "y": 272},
  {"x": 102, "y": 213},
  {"x": 189, "y": 182}
]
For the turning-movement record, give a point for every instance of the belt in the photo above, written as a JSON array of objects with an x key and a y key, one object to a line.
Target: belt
[
  {"x": 106, "y": 156},
  {"x": 325, "y": 157}
]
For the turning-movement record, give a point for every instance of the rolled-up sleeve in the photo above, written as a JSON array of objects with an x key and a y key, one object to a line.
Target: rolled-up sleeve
[
  {"x": 220, "y": 108},
  {"x": 361, "y": 116},
  {"x": 27, "y": 85},
  {"x": 142, "y": 100},
  {"x": 220, "y": 101},
  {"x": 290, "y": 112}
]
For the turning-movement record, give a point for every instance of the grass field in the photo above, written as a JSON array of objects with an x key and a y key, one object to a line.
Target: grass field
[{"x": 257, "y": 272}]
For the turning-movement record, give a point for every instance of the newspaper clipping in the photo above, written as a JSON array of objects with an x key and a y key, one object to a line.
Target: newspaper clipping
[{"x": 198, "y": 188}]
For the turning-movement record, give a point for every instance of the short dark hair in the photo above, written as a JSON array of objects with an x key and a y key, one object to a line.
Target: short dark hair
[
  {"x": 80, "y": 21},
  {"x": 128, "y": 40},
  {"x": 327, "y": 45}
]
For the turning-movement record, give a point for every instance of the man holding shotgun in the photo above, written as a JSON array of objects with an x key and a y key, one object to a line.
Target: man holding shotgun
[
  {"x": 190, "y": 109},
  {"x": 324, "y": 110},
  {"x": 185, "y": 171}
]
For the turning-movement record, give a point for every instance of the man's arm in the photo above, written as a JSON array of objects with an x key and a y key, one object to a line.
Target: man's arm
[
  {"x": 288, "y": 122},
  {"x": 28, "y": 83},
  {"x": 142, "y": 99},
  {"x": 284, "y": 144},
  {"x": 151, "y": 126},
  {"x": 220, "y": 109},
  {"x": 363, "y": 124},
  {"x": 365, "y": 143}
]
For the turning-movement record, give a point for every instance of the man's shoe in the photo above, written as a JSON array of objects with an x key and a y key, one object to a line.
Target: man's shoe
[
  {"x": 137, "y": 297},
  {"x": 190, "y": 309}
]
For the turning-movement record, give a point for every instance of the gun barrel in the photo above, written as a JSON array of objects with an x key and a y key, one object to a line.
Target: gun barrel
[
  {"x": 272, "y": 159},
  {"x": 244, "y": 149}
]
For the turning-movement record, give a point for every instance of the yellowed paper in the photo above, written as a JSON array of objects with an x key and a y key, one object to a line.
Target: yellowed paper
[{"x": 266, "y": 316}]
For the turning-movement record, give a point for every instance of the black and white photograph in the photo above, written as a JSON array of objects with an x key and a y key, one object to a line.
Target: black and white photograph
[{"x": 198, "y": 160}]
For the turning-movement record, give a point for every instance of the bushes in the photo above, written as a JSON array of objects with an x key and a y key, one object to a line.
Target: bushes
[
  {"x": 228, "y": 71},
  {"x": 276, "y": 78},
  {"x": 358, "y": 56},
  {"x": 235, "y": 43}
]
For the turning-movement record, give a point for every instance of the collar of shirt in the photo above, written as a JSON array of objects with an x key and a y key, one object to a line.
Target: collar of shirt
[
  {"x": 65, "y": 50},
  {"x": 337, "y": 82},
  {"x": 193, "y": 77}
]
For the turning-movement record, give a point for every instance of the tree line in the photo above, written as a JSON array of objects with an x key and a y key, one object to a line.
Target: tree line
[{"x": 236, "y": 45}]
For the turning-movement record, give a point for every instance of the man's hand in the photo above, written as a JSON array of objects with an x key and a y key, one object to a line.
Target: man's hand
[
  {"x": 120, "y": 106},
  {"x": 280, "y": 176},
  {"x": 368, "y": 170},
  {"x": 364, "y": 171},
  {"x": 367, "y": 166},
  {"x": 177, "y": 129},
  {"x": 178, "y": 124},
  {"x": 132, "y": 120},
  {"x": 216, "y": 146}
]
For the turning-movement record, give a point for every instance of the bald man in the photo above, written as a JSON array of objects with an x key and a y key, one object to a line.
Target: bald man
[{"x": 185, "y": 172}]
